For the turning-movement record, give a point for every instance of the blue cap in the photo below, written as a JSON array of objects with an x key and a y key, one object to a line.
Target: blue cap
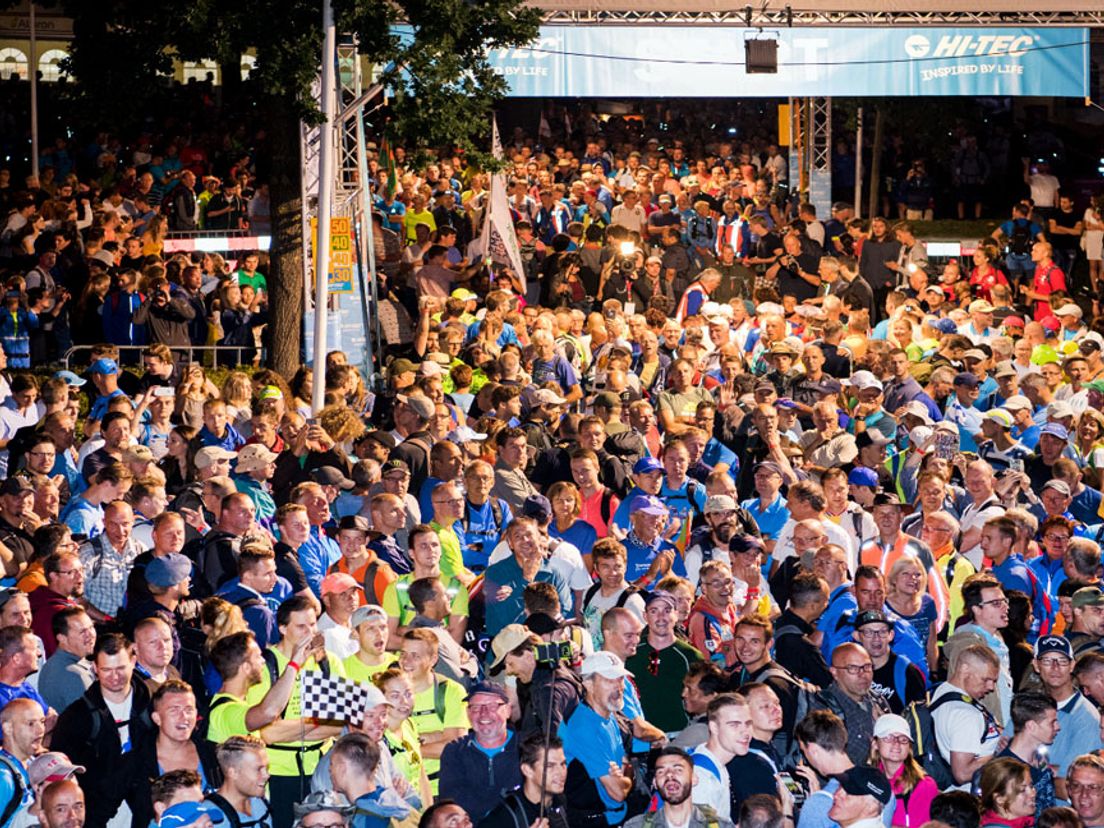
[
  {"x": 489, "y": 689},
  {"x": 647, "y": 464},
  {"x": 784, "y": 402},
  {"x": 862, "y": 476},
  {"x": 188, "y": 813},
  {"x": 168, "y": 571},
  {"x": 648, "y": 505},
  {"x": 537, "y": 506},
  {"x": 1055, "y": 430},
  {"x": 104, "y": 366},
  {"x": 945, "y": 325},
  {"x": 967, "y": 379},
  {"x": 70, "y": 378}
]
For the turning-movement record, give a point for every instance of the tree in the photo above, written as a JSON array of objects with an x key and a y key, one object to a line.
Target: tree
[{"x": 443, "y": 84}]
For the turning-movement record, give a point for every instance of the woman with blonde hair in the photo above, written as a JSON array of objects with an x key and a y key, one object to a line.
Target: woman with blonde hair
[
  {"x": 237, "y": 390},
  {"x": 907, "y": 595},
  {"x": 153, "y": 237},
  {"x": 1007, "y": 794},
  {"x": 218, "y": 618},
  {"x": 891, "y": 753}
]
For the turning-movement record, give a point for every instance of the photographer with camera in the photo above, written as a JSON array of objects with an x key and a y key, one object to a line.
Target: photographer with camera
[
  {"x": 165, "y": 315},
  {"x": 547, "y": 690}
]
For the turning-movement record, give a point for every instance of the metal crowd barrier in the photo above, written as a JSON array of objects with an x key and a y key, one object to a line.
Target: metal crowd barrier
[{"x": 209, "y": 354}]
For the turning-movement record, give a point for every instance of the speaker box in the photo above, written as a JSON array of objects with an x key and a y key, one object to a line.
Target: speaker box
[{"x": 761, "y": 57}]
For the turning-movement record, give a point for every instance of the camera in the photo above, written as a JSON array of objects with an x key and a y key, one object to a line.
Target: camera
[
  {"x": 551, "y": 653},
  {"x": 796, "y": 787},
  {"x": 626, "y": 258}
]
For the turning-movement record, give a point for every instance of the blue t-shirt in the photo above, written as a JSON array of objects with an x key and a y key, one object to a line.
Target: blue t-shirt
[
  {"x": 21, "y": 691},
  {"x": 770, "y": 520},
  {"x": 595, "y": 742},
  {"x": 82, "y": 518},
  {"x": 8, "y": 766},
  {"x": 640, "y": 557},
  {"x": 580, "y": 534},
  {"x": 557, "y": 370},
  {"x": 480, "y": 532},
  {"x": 316, "y": 556}
]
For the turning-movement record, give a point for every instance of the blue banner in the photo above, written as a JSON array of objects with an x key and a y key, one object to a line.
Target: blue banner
[{"x": 699, "y": 61}]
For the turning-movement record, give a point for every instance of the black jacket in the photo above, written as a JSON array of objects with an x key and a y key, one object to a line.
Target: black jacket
[
  {"x": 794, "y": 651},
  {"x": 145, "y": 769},
  {"x": 478, "y": 782},
  {"x": 86, "y": 732}
]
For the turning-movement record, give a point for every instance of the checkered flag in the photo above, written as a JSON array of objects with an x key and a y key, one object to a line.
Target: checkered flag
[{"x": 332, "y": 698}]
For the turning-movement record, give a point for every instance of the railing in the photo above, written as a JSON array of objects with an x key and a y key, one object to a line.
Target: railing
[
  {"x": 209, "y": 353},
  {"x": 216, "y": 241}
]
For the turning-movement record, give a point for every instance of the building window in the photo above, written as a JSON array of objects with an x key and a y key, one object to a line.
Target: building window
[
  {"x": 198, "y": 70},
  {"x": 13, "y": 63},
  {"x": 48, "y": 64}
]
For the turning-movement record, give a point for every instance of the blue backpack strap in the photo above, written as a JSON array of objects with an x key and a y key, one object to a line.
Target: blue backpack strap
[
  {"x": 900, "y": 678},
  {"x": 703, "y": 761}
]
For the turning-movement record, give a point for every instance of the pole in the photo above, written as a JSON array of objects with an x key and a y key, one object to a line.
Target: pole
[
  {"x": 325, "y": 204},
  {"x": 858, "y": 163},
  {"x": 369, "y": 298},
  {"x": 33, "y": 77}
]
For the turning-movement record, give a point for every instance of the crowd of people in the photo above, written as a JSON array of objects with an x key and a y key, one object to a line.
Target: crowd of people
[{"x": 716, "y": 513}]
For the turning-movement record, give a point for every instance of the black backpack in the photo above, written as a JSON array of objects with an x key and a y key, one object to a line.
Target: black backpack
[
  {"x": 231, "y": 813},
  {"x": 922, "y": 729},
  {"x": 19, "y": 789},
  {"x": 1021, "y": 240}
]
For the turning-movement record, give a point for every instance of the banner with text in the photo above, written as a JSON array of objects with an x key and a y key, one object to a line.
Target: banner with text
[{"x": 698, "y": 61}]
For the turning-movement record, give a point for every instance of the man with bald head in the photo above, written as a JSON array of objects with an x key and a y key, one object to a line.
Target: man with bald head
[
  {"x": 63, "y": 804},
  {"x": 849, "y": 697},
  {"x": 24, "y": 726},
  {"x": 107, "y": 560}
]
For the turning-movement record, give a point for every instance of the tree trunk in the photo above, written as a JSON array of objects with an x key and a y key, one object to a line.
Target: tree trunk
[
  {"x": 873, "y": 205},
  {"x": 285, "y": 326}
]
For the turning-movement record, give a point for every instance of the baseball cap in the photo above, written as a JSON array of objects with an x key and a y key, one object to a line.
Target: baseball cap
[
  {"x": 168, "y": 570},
  {"x": 890, "y": 724},
  {"x": 860, "y": 780},
  {"x": 719, "y": 503},
  {"x": 741, "y": 543},
  {"x": 353, "y": 523},
  {"x": 465, "y": 295},
  {"x": 255, "y": 456},
  {"x": 1091, "y": 338},
  {"x": 331, "y": 476},
  {"x": 605, "y": 664},
  {"x": 546, "y": 396},
  {"x": 1018, "y": 402},
  {"x": 915, "y": 408},
  {"x": 648, "y": 505},
  {"x": 975, "y": 354},
  {"x": 1070, "y": 309},
  {"x": 367, "y": 613},
  {"x": 1059, "y": 410},
  {"x": 966, "y": 379},
  {"x": 537, "y": 506},
  {"x": 946, "y": 326},
  {"x": 337, "y": 582},
  {"x": 1088, "y": 597},
  {"x": 1013, "y": 322},
  {"x": 188, "y": 813},
  {"x": 373, "y": 697},
  {"x": 862, "y": 476},
  {"x": 395, "y": 465},
  {"x": 980, "y": 306},
  {"x": 1055, "y": 430},
  {"x": 1005, "y": 368},
  {"x": 863, "y": 380},
  {"x": 51, "y": 767},
  {"x": 999, "y": 416},
  {"x": 429, "y": 368},
  {"x": 769, "y": 466},
  {"x": 785, "y": 403},
  {"x": 466, "y": 434},
  {"x": 16, "y": 486},
  {"x": 163, "y": 391},
  {"x": 661, "y": 596},
  {"x": 422, "y": 406},
  {"x": 607, "y": 399},
  {"x": 401, "y": 366},
  {"x": 70, "y": 378},
  {"x": 920, "y": 434},
  {"x": 270, "y": 392},
  {"x": 1054, "y": 644},
  {"x": 871, "y": 437},
  {"x": 103, "y": 366},
  {"x": 1060, "y": 486},
  {"x": 209, "y": 455},
  {"x": 487, "y": 688},
  {"x": 646, "y": 465},
  {"x": 509, "y": 638}
]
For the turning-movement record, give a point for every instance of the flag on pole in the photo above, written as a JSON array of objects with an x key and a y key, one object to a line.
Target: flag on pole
[
  {"x": 332, "y": 698},
  {"x": 498, "y": 241}
]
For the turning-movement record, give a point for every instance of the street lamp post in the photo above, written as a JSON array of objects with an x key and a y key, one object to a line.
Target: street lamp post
[{"x": 325, "y": 204}]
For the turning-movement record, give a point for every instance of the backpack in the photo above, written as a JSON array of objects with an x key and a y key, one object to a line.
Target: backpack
[
  {"x": 806, "y": 695},
  {"x": 622, "y": 599},
  {"x": 19, "y": 790},
  {"x": 231, "y": 813},
  {"x": 922, "y": 730},
  {"x": 1021, "y": 240}
]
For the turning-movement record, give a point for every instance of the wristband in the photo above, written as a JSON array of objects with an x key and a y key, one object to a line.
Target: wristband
[{"x": 297, "y": 667}]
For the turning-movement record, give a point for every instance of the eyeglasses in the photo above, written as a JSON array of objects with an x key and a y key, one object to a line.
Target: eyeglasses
[
  {"x": 1075, "y": 787},
  {"x": 721, "y": 582},
  {"x": 1053, "y": 538},
  {"x": 70, "y": 571},
  {"x": 1054, "y": 662},
  {"x": 490, "y": 707},
  {"x": 996, "y": 602},
  {"x": 933, "y": 529},
  {"x": 867, "y": 633},
  {"x": 42, "y": 454},
  {"x": 857, "y": 669}
]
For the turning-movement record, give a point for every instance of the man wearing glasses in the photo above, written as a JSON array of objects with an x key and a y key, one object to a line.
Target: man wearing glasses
[
  {"x": 986, "y": 610},
  {"x": 896, "y": 680},
  {"x": 1086, "y": 789},
  {"x": 849, "y": 696},
  {"x": 468, "y": 776},
  {"x": 1078, "y": 719}
]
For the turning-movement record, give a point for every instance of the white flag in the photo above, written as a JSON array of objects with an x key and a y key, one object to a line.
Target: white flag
[{"x": 498, "y": 241}]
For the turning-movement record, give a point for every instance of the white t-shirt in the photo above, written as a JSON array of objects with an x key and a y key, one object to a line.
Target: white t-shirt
[
  {"x": 121, "y": 713},
  {"x": 711, "y": 782},
  {"x": 1044, "y": 189},
  {"x": 962, "y": 728},
  {"x": 599, "y": 604}
]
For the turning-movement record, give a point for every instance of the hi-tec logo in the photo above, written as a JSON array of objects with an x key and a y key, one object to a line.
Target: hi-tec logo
[{"x": 965, "y": 45}]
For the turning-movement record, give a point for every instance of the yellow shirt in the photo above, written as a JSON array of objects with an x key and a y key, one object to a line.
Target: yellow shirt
[
  {"x": 396, "y": 599},
  {"x": 227, "y": 718},
  {"x": 433, "y": 716},
  {"x": 357, "y": 670}
]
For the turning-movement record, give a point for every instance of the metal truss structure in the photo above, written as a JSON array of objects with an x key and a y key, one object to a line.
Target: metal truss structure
[
  {"x": 777, "y": 18},
  {"x": 352, "y": 198}
]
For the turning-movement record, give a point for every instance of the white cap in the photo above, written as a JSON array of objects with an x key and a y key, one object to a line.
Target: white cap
[
  {"x": 863, "y": 380},
  {"x": 890, "y": 724},
  {"x": 1018, "y": 402},
  {"x": 1058, "y": 410},
  {"x": 915, "y": 408},
  {"x": 604, "y": 664},
  {"x": 920, "y": 435}
]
